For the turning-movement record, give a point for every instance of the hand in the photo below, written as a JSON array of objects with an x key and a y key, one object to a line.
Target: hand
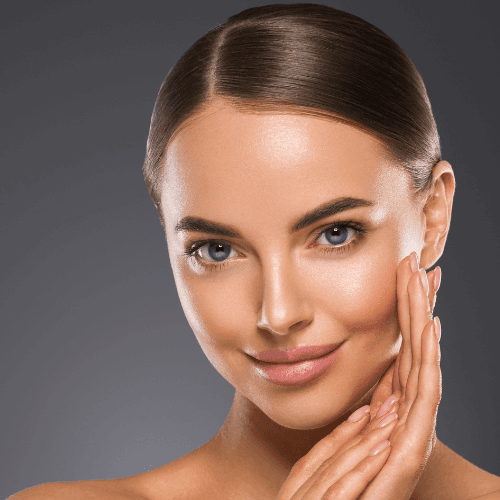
[
  {"x": 415, "y": 380},
  {"x": 388, "y": 385},
  {"x": 343, "y": 463}
]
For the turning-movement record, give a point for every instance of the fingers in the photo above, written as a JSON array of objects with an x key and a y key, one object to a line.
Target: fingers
[
  {"x": 389, "y": 405},
  {"x": 420, "y": 314},
  {"x": 403, "y": 274},
  {"x": 421, "y": 420},
  {"x": 416, "y": 300},
  {"x": 347, "y": 436},
  {"x": 420, "y": 311},
  {"x": 352, "y": 484},
  {"x": 434, "y": 278},
  {"x": 322, "y": 451},
  {"x": 334, "y": 476},
  {"x": 430, "y": 378},
  {"x": 332, "y": 443}
]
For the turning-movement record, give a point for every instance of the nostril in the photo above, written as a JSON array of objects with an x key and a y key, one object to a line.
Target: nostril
[{"x": 299, "y": 326}]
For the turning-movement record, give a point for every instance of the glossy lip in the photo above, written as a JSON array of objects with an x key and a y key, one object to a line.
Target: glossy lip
[
  {"x": 305, "y": 370},
  {"x": 296, "y": 353}
]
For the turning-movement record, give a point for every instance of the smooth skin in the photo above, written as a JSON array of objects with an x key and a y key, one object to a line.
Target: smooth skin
[
  {"x": 259, "y": 173},
  {"x": 394, "y": 472}
]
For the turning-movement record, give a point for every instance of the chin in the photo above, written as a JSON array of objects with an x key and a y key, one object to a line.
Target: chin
[
  {"x": 302, "y": 419},
  {"x": 313, "y": 411},
  {"x": 305, "y": 422}
]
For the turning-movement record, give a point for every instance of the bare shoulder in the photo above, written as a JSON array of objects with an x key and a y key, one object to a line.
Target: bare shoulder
[
  {"x": 189, "y": 477},
  {"x": 490, "y": 496},
  {"x": 473, "y": 482},
  {"x": 104, "y": 489},
  {"x": 450, "y": 476}
]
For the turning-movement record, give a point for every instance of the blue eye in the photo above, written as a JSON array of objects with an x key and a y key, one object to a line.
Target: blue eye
[
  {"x": 218, "y": 251},
  {"x": 212, "y": 250},
  {"x": 336, "y": 235}
]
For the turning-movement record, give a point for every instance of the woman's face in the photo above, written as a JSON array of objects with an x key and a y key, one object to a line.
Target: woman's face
[{"x": 264, "y": 284}]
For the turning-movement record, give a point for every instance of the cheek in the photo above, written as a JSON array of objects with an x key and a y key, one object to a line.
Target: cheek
[
  {"x": 217, "y": 309},
  {"x": 370, "y": 296},
  {"x": 359, "y": 294}
]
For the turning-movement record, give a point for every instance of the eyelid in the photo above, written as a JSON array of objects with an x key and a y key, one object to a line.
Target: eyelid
[
  {"x": 193, "y": 246},
  {"x": 357, "y": 226}
]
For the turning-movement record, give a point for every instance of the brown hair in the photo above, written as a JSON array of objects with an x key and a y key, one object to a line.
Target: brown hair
[{"x": 306, "y": 57}]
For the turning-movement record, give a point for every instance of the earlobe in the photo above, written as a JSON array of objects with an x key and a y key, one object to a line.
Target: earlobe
[{"x": 437, "y": 213}]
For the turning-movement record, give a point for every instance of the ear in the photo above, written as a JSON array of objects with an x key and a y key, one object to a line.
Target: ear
[{"x": 437, "y": 213}]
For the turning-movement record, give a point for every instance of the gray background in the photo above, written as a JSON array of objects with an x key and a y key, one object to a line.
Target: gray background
[{"x": 101, "y": 376}]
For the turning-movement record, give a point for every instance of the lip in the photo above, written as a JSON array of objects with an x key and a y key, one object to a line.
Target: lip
[
  {"x": 296, "y": 353},
  {"x": 299, "y": 365}
]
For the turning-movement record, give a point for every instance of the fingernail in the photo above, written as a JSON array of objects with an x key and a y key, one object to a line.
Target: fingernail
[
  {"x": 414, "y": 262},
  {"x": 437, "y": 278},
  {"x": 386, "y": 406},
  {"x": 359, "y": 414},
  {"x": 423, "y": 277},
  {"x": 381, "y": 446},
  {"x": 437, "y": 327},
  {"x": 387, "y": 420}
]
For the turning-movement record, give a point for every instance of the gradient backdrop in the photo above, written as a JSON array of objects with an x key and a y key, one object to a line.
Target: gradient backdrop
[{"x": 101, "y": 376}]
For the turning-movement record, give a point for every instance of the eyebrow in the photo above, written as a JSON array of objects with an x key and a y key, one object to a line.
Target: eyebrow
[{"x": 198, "y": 224}]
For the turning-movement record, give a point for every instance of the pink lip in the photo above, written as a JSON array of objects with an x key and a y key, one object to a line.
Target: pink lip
[
  {"x": 296, "y": 353},
  {"x": 310, "y": 362}
]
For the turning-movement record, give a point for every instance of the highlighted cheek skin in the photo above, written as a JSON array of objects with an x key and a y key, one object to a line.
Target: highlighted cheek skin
[
  {"x": 357, "y": 296},
  {"x": 216, "y": 314}
]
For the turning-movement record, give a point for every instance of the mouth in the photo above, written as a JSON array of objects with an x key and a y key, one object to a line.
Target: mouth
[
  {"x": 295, "y": 354},
  {"x": 296, "y": 366}
]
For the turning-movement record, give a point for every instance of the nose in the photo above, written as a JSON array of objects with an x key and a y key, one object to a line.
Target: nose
[{"x": 284, "y": 308}]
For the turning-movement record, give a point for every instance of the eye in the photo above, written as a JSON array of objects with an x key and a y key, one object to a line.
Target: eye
[
  {"x": 215, "y": 251},
  {"x": 340, "y": 237},
  {"x": 336, "y": 235},
  {"x": 210, "y": 254}
]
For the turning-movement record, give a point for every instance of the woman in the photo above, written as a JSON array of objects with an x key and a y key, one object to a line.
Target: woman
[{"x": 295, "y": 164}]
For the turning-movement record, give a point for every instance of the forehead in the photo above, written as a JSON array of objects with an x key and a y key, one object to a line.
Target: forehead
[{"x": 225, "y": 159}]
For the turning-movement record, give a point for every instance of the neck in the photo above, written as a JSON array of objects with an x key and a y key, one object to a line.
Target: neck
[
  {"x": 257, "y": 454},
  {"x": 250, "y": 441}
]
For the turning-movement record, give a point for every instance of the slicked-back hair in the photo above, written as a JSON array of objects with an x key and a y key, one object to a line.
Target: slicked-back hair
[{"x": 306, "y": 58}]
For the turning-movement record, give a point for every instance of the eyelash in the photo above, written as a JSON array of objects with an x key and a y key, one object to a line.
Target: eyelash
[{"x": 359, "y": 232}]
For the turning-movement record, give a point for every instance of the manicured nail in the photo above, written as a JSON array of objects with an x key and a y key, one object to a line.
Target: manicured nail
[
  {"x": 386, "y": 406},
  {"x": 423, "y": 277},
  {"x": 437, "y": 327},
  {"x": 437, "y": 278},
  {"x": 359, "y": 414},
  {"x": 381, "y": 446},
  {"x": 388, "y": 419},
  {"x": 414, "y": 262}
]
